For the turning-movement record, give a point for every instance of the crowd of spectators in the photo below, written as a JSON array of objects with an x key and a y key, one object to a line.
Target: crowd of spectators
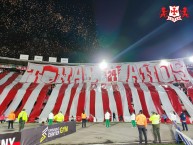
[{"x": 49, "y": 28}]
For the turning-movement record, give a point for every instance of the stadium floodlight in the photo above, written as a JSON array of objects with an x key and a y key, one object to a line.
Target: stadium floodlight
[
  {"x": 164, "y": 62},
  {"x": 103, "y": 65},
  {"x": 191, "y": 59}
]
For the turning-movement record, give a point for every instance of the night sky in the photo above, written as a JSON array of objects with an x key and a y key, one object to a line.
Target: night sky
[
  {"x": 131, "y": 30},
  {"x": 88, "y": 31}
]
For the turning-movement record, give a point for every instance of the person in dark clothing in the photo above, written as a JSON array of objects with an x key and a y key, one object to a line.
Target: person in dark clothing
[
  {"x": 120, "y": 118},
  {"x": 42, "y": 124},
  {"x": 49, "y": 91},
  {"x": 164, "y": 116},
  {"x": 183, "y": 119},
  {"x": 114, "y": 117},
  {"x": 72, "y": 118}
]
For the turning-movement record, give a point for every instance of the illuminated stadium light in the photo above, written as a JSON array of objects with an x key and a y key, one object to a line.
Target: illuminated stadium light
[
  {"x": 164, "y": 62},
  {"x": 191, "y": 59},
  {"x": 103, "y": 65}
]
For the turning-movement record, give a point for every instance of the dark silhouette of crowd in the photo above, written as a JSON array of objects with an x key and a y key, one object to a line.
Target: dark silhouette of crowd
[
  {"x": 181, "y": 86},
  {"x": 62, "y": 29}
]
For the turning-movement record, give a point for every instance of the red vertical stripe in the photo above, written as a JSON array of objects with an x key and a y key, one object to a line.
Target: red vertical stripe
[
  {"x": 81, "y": 102},
  {"x": 155, "y": 98},
  {"x": 39, "y": 103},
  {"x": 60, "y": 97},
  {"x": 10, "y": 96},
  {"x": 118, "y": 100},
  {"x": 92, "y": 99},
  {"x": 8, "y": 82},
  {"x": 73, "y": 91},
  {"x": 3, "y": 74},
  {"x": 173, "y": 99},
  {"x": 142, "y": 99},
  {"x": 105, "y": 99},
  {"x": 129, "y": 97},
  {"x": 25, "y": 97},
  {"x": 190, "y": 93}
]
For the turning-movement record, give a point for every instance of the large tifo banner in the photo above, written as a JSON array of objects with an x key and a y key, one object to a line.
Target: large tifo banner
[
  {"x": 10, "y": 138},
  {"x": 173, "y": 71},
  {"x": 35, "y": 136}
]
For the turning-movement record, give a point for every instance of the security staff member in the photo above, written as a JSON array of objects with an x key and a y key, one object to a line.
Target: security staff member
[
  {"x": 22, "y": 117},
  {"x": 11, "y": 118},
  {"x": 155, "y": 119},
  {"x": 59, "y": 117},
  {"x": 83, "y": 116},
  {"x": 142, "y": 126}
]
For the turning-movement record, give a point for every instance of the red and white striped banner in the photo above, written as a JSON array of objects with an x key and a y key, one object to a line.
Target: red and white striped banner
[
  {"x": 174, "y": 71},
  {"x": 95, "y": 98}
]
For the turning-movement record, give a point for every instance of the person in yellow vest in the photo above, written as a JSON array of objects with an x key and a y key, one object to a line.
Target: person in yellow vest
[
  {"x": 141, "y": 121},
  {"x": 11, "y": 118},
  {"x": 83, "y": 116},
  {"x": 155, "y": 119},
  {"x": 22, "y": 117},
  {"x": 59, "y": 117}
]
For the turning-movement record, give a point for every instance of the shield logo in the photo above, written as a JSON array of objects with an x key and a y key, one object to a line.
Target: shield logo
[
  {"x": 174, "y": 11},
  {"x": 174, "y": 14}
]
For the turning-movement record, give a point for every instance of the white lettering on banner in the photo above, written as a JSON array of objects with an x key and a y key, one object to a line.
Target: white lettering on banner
[
  {"x": 53, "y": 132},
  {"x": 175, "y": 71},
  {"x": 8, "y": 141}
]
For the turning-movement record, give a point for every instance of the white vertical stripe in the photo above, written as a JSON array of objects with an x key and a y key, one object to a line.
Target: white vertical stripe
[
  {"x": 6, "y": 77},
  {"x": 6, "y": 90},
  {"x": 18, "y": 78},
  {"x": 51, "y": 102},
  {"x": 167, "y": 106},
  {"x": 66, "y": 99},
  {"x": 74, "y": 105},
  {"x": 135, "y": 96},
  {"x": 99, "y": 104},
  {"x": 32, "y": 98},
  {"x": 148, "y": 99},
  {"x": 112, "y": 103},
  {"x": 126, "y": 114},
  {"x": 187, "y": 104},
  {"x": 87, "y": 98},
  {"x": 17, "y": 99}
]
